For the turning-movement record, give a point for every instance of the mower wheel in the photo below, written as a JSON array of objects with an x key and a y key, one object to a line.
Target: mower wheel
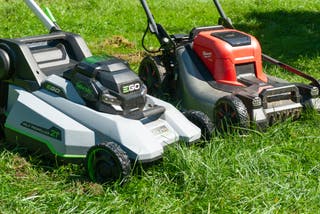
[
  {"x": 201, "y": 120},
  {"x": 107, "y": 162},
  {"x": 152, "y": 73},
  {"x": 229, "y": 113}
]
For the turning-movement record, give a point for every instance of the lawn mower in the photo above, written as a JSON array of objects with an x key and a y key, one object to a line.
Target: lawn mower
[
  {"x": 218, "y": 70},
  {"x": 56, "y": 97}
]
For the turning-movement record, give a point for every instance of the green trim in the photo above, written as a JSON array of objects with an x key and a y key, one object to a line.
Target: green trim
[
  {"x": 52, "y": 132},
  {"x": 48, "y": 144},
  {"x": 54, "y": 89},
  {"x": 91, "y": 170},
  {"x": 92, "y": 159},
  {"x": 84, "y": 88},
  {"x": 49, "y": 14},
  {"x": 95, "y": 59}
]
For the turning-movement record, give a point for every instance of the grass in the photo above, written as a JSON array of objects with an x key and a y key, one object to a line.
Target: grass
[{"x": 271, "y": 172}]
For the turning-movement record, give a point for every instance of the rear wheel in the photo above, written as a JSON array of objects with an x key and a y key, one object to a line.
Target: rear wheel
[
  {"x": 152, "y": 73},
  {"x": 201, "y": 120},
  {"x": 107, "y": 162},
  {"x": 230, "y": 113}
]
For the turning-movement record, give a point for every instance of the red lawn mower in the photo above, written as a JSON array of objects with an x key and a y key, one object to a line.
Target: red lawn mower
[{"x": 217, "y": 70}]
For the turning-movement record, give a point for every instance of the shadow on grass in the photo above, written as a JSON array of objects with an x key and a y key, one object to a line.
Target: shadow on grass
[
  {"x": 47, "y": 163},
  {"x": 285, "y": 34},
  {"x": 69, "y": 171}
]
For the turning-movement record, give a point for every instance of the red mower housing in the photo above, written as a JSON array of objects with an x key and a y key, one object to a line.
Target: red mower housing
[{"x": 229, "y": 54}]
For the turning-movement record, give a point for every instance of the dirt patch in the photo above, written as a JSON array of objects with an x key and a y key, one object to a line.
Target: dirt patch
[
  {"x": 21, "y": 167},
  {"x": 94, "y": 189},
  {"x": 110, "y": 45},
  {"x": 118, "y": 41},
  {"x": 132, "y": 58}
]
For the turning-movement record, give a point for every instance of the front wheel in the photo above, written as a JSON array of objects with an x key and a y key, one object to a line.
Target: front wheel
[
  {"x": 107, "y": 162},
  {"x": 230, "y": 113},
  {"x": 201, "y": 120}
]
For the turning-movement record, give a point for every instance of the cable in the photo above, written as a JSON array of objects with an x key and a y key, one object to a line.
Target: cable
[{"x": 142, "y": 42}]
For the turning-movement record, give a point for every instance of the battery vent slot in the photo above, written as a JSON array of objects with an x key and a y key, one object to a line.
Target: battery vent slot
[
  {"x": 234, "y": 38},
  {"x": 247, "y": 68}
]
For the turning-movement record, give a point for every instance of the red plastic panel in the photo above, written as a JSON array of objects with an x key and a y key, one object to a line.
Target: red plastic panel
[{"x": 220, "y": 56}]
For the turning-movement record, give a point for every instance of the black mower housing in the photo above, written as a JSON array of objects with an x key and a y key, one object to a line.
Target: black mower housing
[{"x": 106, "y": 83}]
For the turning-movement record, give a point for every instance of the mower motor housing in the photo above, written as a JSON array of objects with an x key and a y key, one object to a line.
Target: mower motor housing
[
  {"x": 107, "y": 84},
  {"x": 229, "y": 54}
]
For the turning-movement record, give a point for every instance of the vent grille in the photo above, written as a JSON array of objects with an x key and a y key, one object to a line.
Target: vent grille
[{"x": 247, "y": 68}]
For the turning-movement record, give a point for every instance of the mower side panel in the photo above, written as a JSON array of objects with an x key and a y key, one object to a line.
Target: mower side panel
[
  {"x": 195, "y": 92},
  {"x": 135, "y": 138},
  {"x": 140, "y": 141},
  {"x": 30, "y": 116},
  {"x": 62, "y": 87},
  {"x": 187, "y": 131},
  {"x": 37, "y": 57}
]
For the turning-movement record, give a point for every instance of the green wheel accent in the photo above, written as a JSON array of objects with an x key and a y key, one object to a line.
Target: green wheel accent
[{"x": 107, "y": 162}]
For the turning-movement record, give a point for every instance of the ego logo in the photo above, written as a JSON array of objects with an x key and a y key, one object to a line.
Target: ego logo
[
  {"x": 54, "y": 89},
  {"x": 130, "y": 88}
]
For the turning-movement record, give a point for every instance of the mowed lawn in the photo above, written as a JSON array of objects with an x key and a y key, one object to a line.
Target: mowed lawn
[{"x": 277, "y": 171}]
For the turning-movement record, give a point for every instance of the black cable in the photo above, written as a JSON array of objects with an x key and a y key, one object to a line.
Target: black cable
[{"x": 142, "y": 42}]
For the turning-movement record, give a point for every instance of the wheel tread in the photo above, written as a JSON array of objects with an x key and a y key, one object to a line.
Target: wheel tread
[
  {"x": 237, "y": 105},
  {"x": 117, "y": 152},
  {"x": 201, "y": 120}
]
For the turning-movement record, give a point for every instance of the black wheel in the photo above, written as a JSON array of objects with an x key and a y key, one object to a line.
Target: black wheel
[
  {"x": 107, "y": 162},
  {"x": 201, "y": 120},
  {"x": 152, "y": 73},
  {"x": 229, "y": 113}
]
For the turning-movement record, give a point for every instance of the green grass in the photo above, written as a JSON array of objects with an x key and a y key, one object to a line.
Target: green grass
[{"x": 270, "y": 172}]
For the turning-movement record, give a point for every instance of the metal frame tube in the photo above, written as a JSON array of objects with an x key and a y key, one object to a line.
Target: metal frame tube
[
  {"x": 151, "y": 20},
  {"x": 40, "y": 14}
]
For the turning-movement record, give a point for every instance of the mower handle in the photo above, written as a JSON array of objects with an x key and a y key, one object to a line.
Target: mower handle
[
  {"x": 291, "y": 69},
  {"x": 155, "y": 28},
  {"x": 152, "y": 24},
  {"x": 50, "y": 25},
  {"x": 225, "y": 21}
]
